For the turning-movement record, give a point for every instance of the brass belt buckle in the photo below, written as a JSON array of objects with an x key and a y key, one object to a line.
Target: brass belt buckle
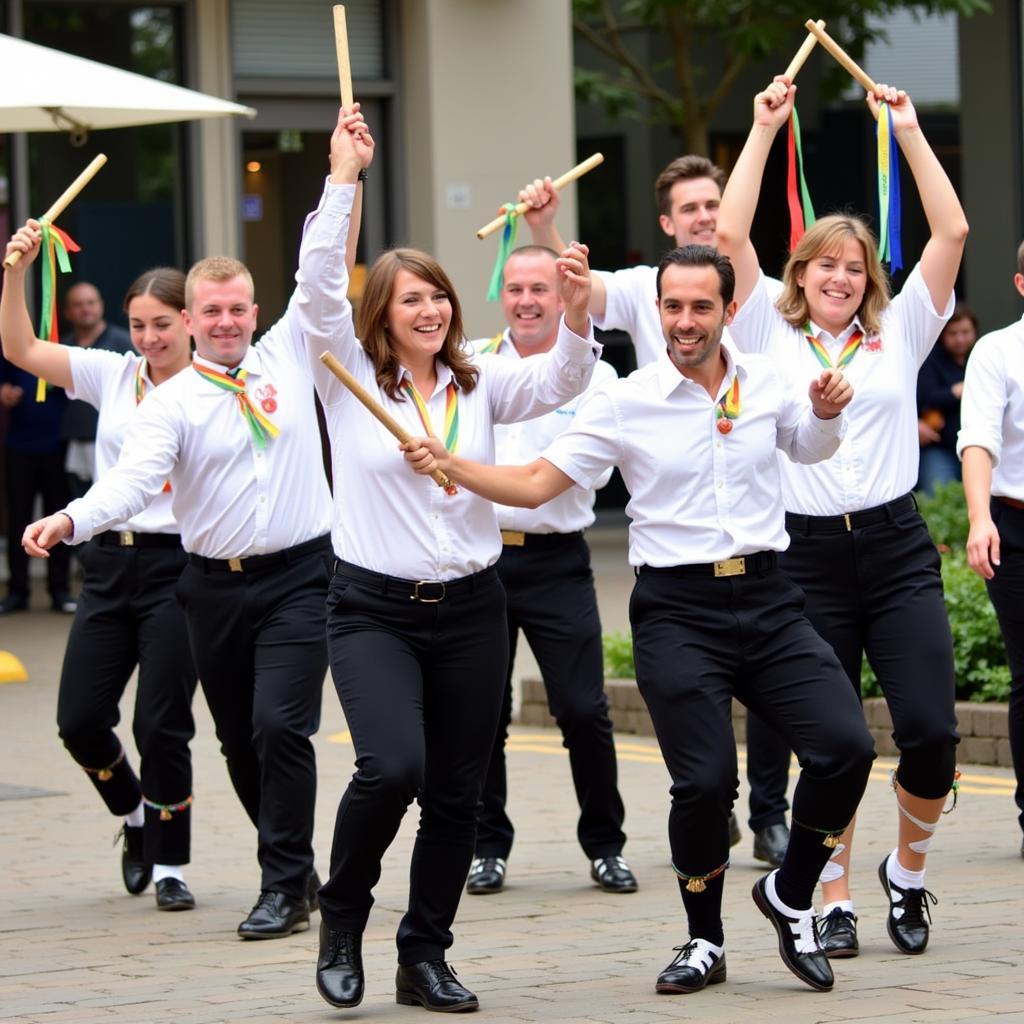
[
  {"x": 731, "y": 567},
  {"x": 235, "y": 564},
  {"x": 846, "y": 520},
  {"x": 126, "y": 539},
  {"x": 513, "y": 538},
  {"x": 417, "y": 596}
]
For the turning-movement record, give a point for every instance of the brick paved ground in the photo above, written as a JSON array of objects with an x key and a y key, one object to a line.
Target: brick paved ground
[{"x": 75, "y": 947}]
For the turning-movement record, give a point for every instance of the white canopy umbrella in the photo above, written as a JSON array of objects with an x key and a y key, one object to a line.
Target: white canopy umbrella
[{"x": 46, "y": 90}]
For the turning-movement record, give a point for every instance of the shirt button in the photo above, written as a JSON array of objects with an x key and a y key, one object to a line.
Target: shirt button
[{"x": 720, "y": 483}]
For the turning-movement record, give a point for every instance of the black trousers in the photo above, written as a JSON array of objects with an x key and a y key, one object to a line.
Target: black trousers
[
  {"x": 259, "y": 643},
  {"x": 420, "y": 684},
  {"x": 127, "y": 615},
  {"x": 698, "y": 642},
  {"x": 1006, "y": 591},
  {"x": 768, "y": 757},
  {"x": 550, "y": 592},
  {"x": 876, "y": 588},
  {"x": 29, "y": 474}
]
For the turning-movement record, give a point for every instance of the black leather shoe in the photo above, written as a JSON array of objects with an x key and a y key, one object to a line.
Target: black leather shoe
[
  {"x": 274, "y": 916},
  {"x": 613, "y": 874},
  {"x": 909, "y": 931},
  {"x": 432, "y": 985},
  {"x": 312, "y": 890},
  {"x": 134, "y": 870},
  {"x": 811, "y": 965},
  {"x": 837, "y": 931},
  {"x": 486, "y": 875},
  {"x": 339, "y": 968},
  {"x": 694, "y": 968},
  {"x": 735, "y": 835},
  {"x": 13, "y": 603},
  {"x": 770, "y": 844},
  {"x": 173, "y": 894}
]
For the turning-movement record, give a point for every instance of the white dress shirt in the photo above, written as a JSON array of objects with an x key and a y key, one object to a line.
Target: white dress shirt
[
  {"x": 879, "y": 458},
  {"x": 992, "y": 407},
  {"x": 106, "y": 380},
  {"x": 696, "y": 495},
  {"x": 631, "y": 305},
  {"x": 387, "y": 518},
  {"x": 519, "y": 443},
  {"x": 231, "y": 498}
]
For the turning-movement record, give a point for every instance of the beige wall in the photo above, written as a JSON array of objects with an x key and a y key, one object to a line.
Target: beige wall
[{"x": 487, "y": 104}]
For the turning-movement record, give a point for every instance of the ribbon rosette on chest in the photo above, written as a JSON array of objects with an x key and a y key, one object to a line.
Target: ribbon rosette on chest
[{"x": 267, "y": 396}]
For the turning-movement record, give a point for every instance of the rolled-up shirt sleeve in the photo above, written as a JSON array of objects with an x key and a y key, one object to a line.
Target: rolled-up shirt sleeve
[
  {"x": 591, "y": 447},
  {"x": 984, "y": 401}
]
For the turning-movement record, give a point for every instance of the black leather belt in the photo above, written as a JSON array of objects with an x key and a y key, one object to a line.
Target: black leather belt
[
  {"x": 133, "y": 539},
  {"x": 741, "y": 565},
  {"x": 518, "y": 539},
  {"x": 425, "y": 591},
  {"x": 797, "y": 523},
  {"x": 260, "y": 563}
]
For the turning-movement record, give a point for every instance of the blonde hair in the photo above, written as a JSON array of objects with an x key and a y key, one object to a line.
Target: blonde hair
[
  {"x": 216, "y": 268},
  {"x": 373, "y": 314},
  {"x": 826, "y": 238}
]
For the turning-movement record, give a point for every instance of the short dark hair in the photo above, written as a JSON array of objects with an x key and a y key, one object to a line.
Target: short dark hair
[
  {"x": 685, "y": 168},
  {"x": 701, "y": 256},
  {"x": 1020, "y": 258}
]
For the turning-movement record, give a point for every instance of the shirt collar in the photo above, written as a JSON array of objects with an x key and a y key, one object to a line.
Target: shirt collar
[
  {"x": 843, "y": 336},
  {"x": 669, "y": 377},
  {"x": 444, "y": 377},
  {"x": 251, "y": 362}
]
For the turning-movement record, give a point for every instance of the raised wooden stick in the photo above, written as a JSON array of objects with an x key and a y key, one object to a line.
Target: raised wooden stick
[
  {"x": 803, "y": 53},
  {"x": 841, "y": 55},
  {"x": 65, "y": 198},
  {"x": 577, "y": 172},
  {"x": 341, "y": 46},
  {"x": 371, "y": 403}
]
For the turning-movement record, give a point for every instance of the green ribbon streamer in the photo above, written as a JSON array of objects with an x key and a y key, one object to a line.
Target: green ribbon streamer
[
  {"x": 507, "y": 244},
  {"x": 805, "y": 195}
]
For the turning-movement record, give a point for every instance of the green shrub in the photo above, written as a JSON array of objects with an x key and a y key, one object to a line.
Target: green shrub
[{"x": 980, "y": 657}]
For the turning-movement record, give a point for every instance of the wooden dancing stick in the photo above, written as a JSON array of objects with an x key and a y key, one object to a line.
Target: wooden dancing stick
[
  {"x": 341, "y": 46},
  {"x": 371, "y": 403},
  {"x": 841, "y": 55},
  {"x": 65, "y": 198},
  {"x": 803, "y": 53},
  {"x": 559, "y": 183}
]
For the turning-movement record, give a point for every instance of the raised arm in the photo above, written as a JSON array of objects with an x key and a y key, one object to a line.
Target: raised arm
[
  {"x": 17, "y": 335},
  {"x": 941, "y": 257},
  {"x": 516, "y": 486},
  {"x": 772, "y": 108}
]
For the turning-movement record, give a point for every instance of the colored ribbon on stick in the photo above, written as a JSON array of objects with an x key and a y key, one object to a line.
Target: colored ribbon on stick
[
  {"x": 56, "y": 245},
  {"x": 508, "y": 241},
  {"x": 890, "y": 249},
  {"x": 798, "y": 196}
]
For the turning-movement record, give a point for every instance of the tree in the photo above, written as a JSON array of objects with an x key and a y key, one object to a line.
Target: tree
[{"x": 683, "y": 90}]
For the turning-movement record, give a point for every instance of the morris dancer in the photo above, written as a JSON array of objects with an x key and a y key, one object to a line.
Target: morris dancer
[
  {"x": 127, "y": 613},
  {"x": 694, "y": 435},
  {"x": 237, "y": 436},
  {"x": 860, "y": 551}
]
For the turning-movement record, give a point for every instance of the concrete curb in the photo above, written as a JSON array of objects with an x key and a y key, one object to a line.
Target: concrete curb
[{"x": 984, "y": 728}]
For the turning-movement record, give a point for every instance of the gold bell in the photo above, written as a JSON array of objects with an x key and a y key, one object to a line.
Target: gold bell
[
  {"x": 831, "y": 842},
  {"x": 104, "y": 775},
  {"x": 165, "y": 814},
  {"x": 695, "y": 885}
]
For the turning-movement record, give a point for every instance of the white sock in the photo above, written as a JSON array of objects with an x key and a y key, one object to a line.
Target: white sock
[
  {"x": 137, "y": 818},
  {"x": 162, "y": 871},
  {"x": 704, "y": 946},
  {"x": 844, "y": 905},
  {"x": 901, "y": 876},
  {"x": 801, "y": 921}
]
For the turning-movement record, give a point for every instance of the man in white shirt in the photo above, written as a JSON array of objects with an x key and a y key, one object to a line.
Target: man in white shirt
[
  {"x": 237, "y": 438},
  {"x": 545, "y": 569},
  {"x": 695, "y": 437},
  {"x": 991, "y": 446},
  {"x": 687, "y": 193}
]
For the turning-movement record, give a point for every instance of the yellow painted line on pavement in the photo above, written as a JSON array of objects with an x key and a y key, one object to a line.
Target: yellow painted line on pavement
[{"x": 975, "y": 783}]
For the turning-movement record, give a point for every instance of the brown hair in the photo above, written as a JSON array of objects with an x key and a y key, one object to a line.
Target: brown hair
[
  {"x": 961, "y": 311},
  {"x": 165, "y": 284},
  {"x": 216, "y": 268},
  {"x": 826, "y": 238},
  {"x": 373, "y": 311},
  {"x": 684, "y": 168}
]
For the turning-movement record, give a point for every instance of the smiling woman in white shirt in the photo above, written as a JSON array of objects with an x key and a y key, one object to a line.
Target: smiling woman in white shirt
[
  {"x": 991, "y": 445},
  {"x": 860, "y": 551},
  {"x": 416, "y": 613},
  {"x": 127, "y": 614}
]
